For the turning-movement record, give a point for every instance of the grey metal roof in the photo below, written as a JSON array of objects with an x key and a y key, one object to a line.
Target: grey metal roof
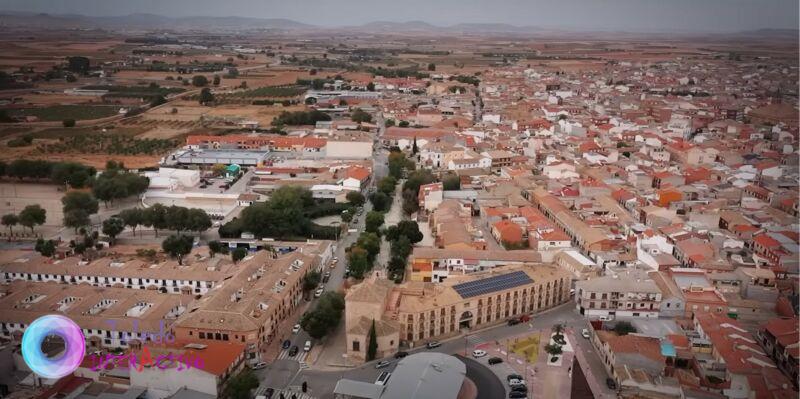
[
  {"x": 427, "y": 375},
  {"x": 358, "y": 389}
]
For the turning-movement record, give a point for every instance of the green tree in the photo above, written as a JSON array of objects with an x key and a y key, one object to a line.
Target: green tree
[
  {"x": 112, "y": 227},
  {"x": 355, "y": 198},
  {"x": 397, "y": 164},
  {"x": 371, "y": 242},
  {"x": 10, "y": 220},
  {"x": 414, "y": 148},
  {"x": 216, "y": 247},
  {"x": 431, "y": 67},
  {"x": 401, "y": 248},
  {"x": 132, "y": 218},
  {"x": 347, "y": 216},
  {"x": 359, "y": 263},
  {"x": 374, "y": 221},
  {"x": 406, "y": 228},
  {"x": 178, "y": 246},
  {"x": 361, "y": 116},
  {"x": 370, "y": 86},
  {"x": 451, "y": 182},
  {"x": 206, "y": 97},
  {"x": 156, "y": 217},
  {"x": 216, "y": 80},
  {"x": 157, "y": 100},
  {"x": 553, "y": 349},
  {"x": 624, "y": 328},
  {"x": 380, "y": 201},
  {"x": 45, "y": 247},
  {"x": 80, "y": 200},
  {"x": 324, "y": 318},
  {"x": 387, "y": 185},
  {"x": 240, "y": 385},
  {"x": 76, "y": 218},
  {"x": 32, "y": 215},
  {"x": 311, "y": 281},
  {"x": 199, "y": 81},
  {"x": 372, "y": 345},
  {"x": 238, "y": 254}
]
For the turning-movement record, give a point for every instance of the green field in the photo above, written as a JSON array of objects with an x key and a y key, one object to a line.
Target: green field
[
  {"x": 272, "y": 91},
  {"x": 62, "y": 112}
]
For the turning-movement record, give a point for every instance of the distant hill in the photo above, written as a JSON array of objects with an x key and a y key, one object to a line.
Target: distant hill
[
  {"x": 145, "y": 21},
  {"x": 208, "y": 23}
]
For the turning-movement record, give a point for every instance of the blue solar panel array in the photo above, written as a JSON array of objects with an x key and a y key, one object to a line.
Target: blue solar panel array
[{"x": 492, "y": 284}]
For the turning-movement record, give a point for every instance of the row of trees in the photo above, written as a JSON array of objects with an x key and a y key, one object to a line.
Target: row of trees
[
  {"x": 402, "y": 238},
  {"x": 70, "y": 174},
  {"x": 160, "y": 217},
  {"x": 361, "y": 255},
  {"x": 298, "y": 118},
  {"x": 30, "y": 217}
]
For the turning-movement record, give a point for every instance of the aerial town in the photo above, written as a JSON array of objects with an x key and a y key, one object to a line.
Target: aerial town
[{"x": 259, "y": 208}]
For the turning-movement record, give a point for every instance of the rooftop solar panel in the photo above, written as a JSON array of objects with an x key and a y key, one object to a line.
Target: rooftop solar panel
[{"x": 492, "y": 284}]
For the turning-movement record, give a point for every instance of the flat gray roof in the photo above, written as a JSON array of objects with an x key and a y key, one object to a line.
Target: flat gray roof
[
  {"x": 358, "y": 389},
  {"x": 427, "y": 375}
]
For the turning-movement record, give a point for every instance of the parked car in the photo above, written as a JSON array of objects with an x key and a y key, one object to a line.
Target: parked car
[
  {"x": 478, "y": 353},
  {"x": 383, "y": 378},
  {"x": 519, "y": 388},
  {"x": 511, "y": 377},
  {"x": 286, "y": 344},
  {"x": 517, "y": 395},
  {"x": 585, "y": 333},
  {"x": 513, "y": 322},
  {"x": 400, "y": 355},
  {"x": 296, "y": 329},
  {"x": 307, "y": 346},
  {"x": 433, "y": 344},
  {"x": 611, "y": 384},
  {"x": 381, "y": 364},
  {"x": 318, "y": 292},
  {"x": 293, "y": 351},
  {"x": 259, "y": 366},
  {"x": 524, "y": 318},
  {"x": 607, "y": 318},
  {"x": 495, "y": 360},
  {"x": 516, "y": 381}
]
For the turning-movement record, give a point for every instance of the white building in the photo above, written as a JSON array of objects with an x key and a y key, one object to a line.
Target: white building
[{"x": 617, "y": 296}]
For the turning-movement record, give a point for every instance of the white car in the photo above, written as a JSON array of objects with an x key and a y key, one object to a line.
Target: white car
[
  {"x": 478, "y": 353},
  {"x": 318, "y": 292},
  {"x": 259, "y": 366},
  {"x": 515, "y": 381},
  {"x": 585, "y": 333},
  {"x": 296, "y": 329},
  {"x": 307, "y": 346}
]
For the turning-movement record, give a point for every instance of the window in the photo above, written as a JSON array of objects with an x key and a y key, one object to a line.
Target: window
[{"x": 357, "y": 345}]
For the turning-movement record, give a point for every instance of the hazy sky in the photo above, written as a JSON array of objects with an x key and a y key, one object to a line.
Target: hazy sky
[{"x": 630, "y": 15}]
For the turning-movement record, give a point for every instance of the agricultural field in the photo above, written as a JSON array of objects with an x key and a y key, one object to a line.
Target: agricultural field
[{"x": 61, "y": 112}]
